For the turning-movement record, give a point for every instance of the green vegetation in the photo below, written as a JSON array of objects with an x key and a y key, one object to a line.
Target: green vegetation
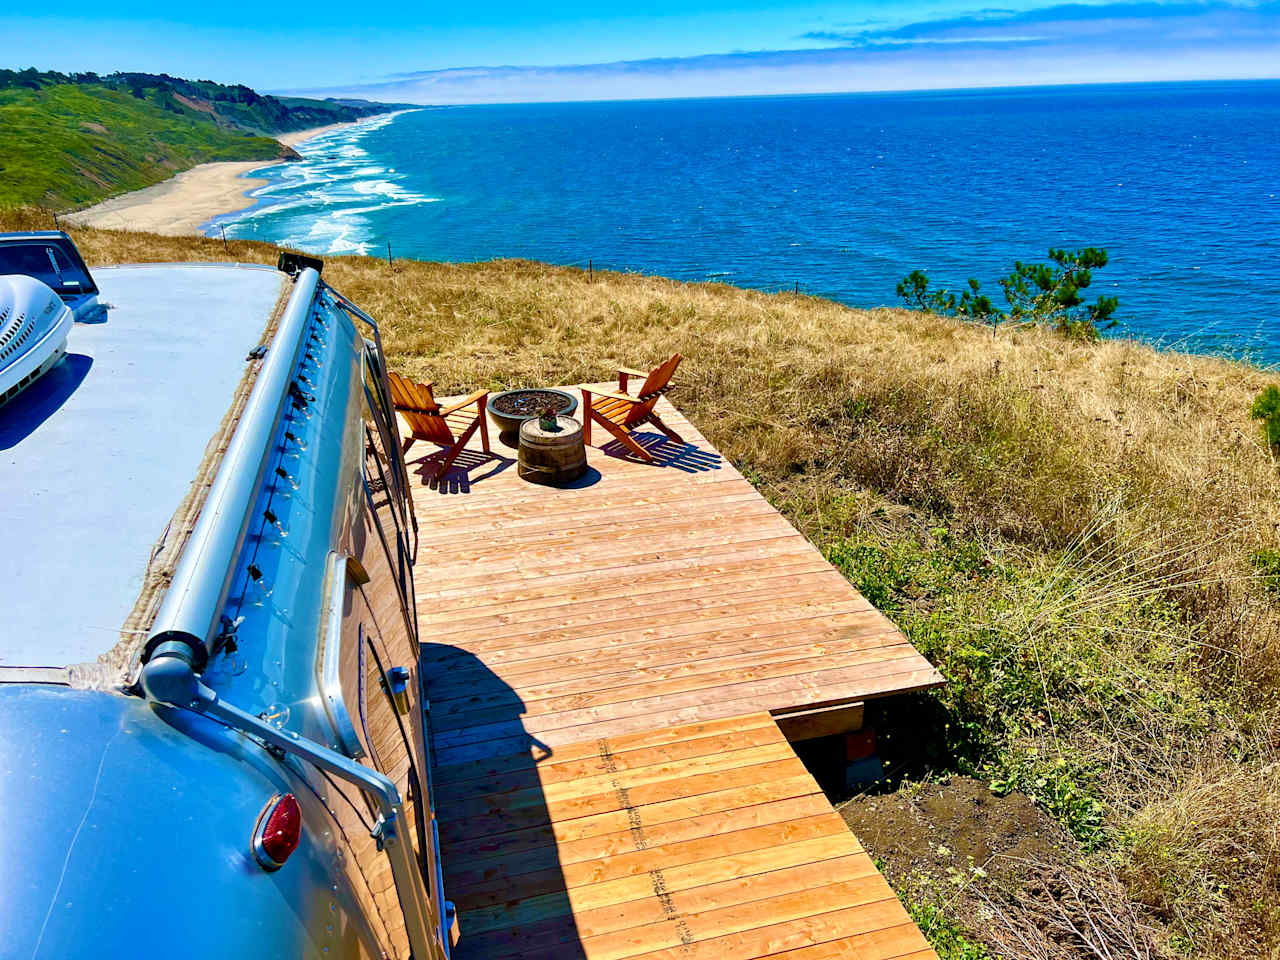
[
  {"x": 1267, "y": 409},
  {"x": 1267, "y": 563},
  {"x": 1048, "y": 293},
  {"x": 230, "y": 106},
  {"x": 70, "y": 140},
  {"x": 1036, "y": 648},
  {"x": 53, "y": 154},
  {"x": 914, "y": 291},
  {"x": 1082, "y": 535},
  {"x": 945, "y": 934}
]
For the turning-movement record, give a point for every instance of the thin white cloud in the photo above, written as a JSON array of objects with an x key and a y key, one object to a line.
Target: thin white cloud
[{"x": 1070, "y": 43}]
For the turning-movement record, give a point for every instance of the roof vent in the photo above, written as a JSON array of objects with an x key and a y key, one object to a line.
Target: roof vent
[{"x": 34, "y": 323}]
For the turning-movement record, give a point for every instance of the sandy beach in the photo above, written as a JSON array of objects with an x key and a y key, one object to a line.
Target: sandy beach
[
  {"x": 295, "y": 138},
  {"x": 179, "y": 205}
]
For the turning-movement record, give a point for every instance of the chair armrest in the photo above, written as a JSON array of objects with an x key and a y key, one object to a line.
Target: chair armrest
[
  {"x": 609, "y": 394},
  {"x": 466, "y": 402},
  {"x": 626, "y": 373}
]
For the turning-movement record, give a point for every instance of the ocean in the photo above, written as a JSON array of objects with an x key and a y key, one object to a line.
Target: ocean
[{"x": 841, "y": 195}]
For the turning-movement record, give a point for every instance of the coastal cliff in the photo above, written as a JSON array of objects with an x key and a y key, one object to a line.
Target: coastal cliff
[{"x": 70, "y": 140}]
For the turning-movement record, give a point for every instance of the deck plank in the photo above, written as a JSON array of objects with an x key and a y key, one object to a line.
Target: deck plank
[
  {"x": 688, "y": 842},
  {"x": 601, "y": 663}
]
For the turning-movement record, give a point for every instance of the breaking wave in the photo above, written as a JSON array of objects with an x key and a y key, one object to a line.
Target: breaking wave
[{"x": 325, "y": 202}]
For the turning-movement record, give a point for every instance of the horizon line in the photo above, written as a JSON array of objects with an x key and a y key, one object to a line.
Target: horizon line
[{"x": 409, "y": 106}]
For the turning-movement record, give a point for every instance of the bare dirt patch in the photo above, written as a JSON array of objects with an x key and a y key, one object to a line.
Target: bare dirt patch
[
  {"x": 963, "y": 818},
  {"x": 200, "y": 105},
  {"x": 1013, "y": 877}
]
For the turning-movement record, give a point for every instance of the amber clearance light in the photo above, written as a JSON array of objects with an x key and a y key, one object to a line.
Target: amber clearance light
[{"x": 278, "y": 831}]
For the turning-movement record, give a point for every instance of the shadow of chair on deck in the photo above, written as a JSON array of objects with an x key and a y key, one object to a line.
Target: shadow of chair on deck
[
  {"x": 458, "y": 478},
  {"x": 687, "y": 457},
  {"x": 501, "y": 862}
]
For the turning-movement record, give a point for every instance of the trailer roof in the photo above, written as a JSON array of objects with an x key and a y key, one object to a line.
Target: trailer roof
[{"x": 97, "y": 455}]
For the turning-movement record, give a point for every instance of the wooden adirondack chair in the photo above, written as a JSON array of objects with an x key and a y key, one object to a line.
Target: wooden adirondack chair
[
  {"x": 450, "y": 427},
  {"x": 621, "y": 413}
]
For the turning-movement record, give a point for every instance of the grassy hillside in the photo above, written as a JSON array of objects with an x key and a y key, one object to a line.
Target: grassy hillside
[
  {"x": 68, "y": 146},
  {"x": 231, "y": 106},
  {"x": 70, "y": 140},
  {"x": 1084, "y": 537}
]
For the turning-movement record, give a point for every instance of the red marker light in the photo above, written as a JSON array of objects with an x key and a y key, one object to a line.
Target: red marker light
[{"x": 278, "y": 831}]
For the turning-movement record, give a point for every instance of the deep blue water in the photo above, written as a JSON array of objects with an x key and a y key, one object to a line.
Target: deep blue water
[{"x": 841, "y": 194}]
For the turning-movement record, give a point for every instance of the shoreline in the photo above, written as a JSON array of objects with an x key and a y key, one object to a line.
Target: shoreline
[
  {"x": 295, "y": 137},
  {"x": 181, "y": 205},
  {"x": 177, "y": 206}
]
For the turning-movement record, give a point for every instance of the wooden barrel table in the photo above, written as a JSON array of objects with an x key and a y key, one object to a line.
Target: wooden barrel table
[{"x": 554, "y": 457}]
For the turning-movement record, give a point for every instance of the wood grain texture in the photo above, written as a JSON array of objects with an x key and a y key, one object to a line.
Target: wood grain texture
[
  {"x": 601, "y": 664},
  {"x": 707, "y": 840},
  {"x": 650, "y": 594}
]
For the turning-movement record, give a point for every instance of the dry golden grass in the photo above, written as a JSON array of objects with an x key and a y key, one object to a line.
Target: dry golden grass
[
  {"x": 1219, "y": 833},
  {"x": 1025, "y": 435},
  {"x": 1023, "y": 441}
]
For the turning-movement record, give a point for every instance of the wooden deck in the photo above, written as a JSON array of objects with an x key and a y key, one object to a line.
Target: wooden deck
[
  {"x": 601, "y": 664},
  {"x": 703, "y": 841}
]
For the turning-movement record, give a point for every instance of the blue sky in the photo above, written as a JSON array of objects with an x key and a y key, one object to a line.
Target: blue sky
[{"x": 508, "y": 51}]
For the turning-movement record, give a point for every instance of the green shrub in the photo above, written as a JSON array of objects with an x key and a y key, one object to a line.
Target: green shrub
[
  {"x": 1044, "y": 655},
  {"x": 1267, "y": 409},
  {"x": 947, "y": 937},
  {"x": 1267, "y": 563},
  {"x": 1048, "y": 293},
  {"x": 1064, "y": 788}
]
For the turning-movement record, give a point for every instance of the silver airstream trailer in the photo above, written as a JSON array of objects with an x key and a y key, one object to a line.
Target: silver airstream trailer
[{"x": 211, "y": 723}]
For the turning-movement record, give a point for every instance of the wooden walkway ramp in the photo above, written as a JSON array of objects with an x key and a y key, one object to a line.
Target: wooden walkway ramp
[
  {"x": 602, "y": 663},
  {"x": 703, "y": 841}
]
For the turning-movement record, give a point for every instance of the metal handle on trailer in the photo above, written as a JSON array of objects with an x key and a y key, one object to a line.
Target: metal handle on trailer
[{"x": 169, "y": 677}]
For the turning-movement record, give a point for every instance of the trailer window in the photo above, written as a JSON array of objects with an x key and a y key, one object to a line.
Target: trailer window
[
  {"x": 388, "y": 446},
  {"x": 387, "y": 519},
  {"x": 46, "y": 262}
]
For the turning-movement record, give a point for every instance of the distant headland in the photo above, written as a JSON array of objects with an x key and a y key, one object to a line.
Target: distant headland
[{"x": 100, "y": 136}]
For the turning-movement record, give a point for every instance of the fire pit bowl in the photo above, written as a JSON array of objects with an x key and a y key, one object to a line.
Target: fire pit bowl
[{"x": 511, "y": 408}]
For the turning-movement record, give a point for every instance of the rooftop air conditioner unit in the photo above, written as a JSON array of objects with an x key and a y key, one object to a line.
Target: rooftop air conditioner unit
[{"x": 34, "y": 324}]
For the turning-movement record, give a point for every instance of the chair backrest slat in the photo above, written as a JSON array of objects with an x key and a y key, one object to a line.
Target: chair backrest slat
[
  {"x": 400, "y": 395},
  {"x": 415, "y": 396},
  {"x": 426, "y": 396},
  {"x": 417, "y": 404},
  {"x": 659, "y": 377},
  {"x": 640, "y": 412}
]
